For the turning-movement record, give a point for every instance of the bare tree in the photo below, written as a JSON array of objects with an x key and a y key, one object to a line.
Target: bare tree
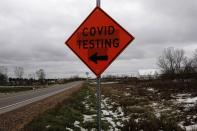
[
  {"x": 195, "y": 59},
  {"x": 165, "y": 61},
  {"x": 188, "y": 66},
  {"x": 171, "y": 60},
  {"x": 3, "y": 75},
  {"x": 31, "y": 76},
  {"x": 179, "y": 57},
  {"x": 41, "y": 74},
  {"x": 3, "y": 70},
  {"x": 19, "y": 72}
]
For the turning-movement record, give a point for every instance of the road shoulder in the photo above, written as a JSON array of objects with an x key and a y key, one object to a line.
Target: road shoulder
[{"x": 15, "y": 120}]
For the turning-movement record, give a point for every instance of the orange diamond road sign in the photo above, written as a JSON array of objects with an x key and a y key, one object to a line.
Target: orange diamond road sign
[{"x": 98, "y": 41}]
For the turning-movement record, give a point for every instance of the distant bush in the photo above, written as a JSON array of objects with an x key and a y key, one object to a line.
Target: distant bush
[{"x": 3, "y": 79}]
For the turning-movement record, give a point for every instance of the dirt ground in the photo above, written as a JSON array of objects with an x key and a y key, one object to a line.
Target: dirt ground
[
  {"x": 15, "y": 120},
  {"x": 153, "y": 106},
  {"x": 127, "y": 105}
]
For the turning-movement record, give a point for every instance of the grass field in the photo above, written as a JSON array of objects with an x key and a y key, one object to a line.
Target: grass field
[
  {"x": 77, "y": 113},
  {"x": 127, "y": 106}
]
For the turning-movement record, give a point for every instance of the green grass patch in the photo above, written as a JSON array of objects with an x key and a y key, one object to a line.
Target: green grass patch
[
  {"x": 14, "y": 89},
  {"x": 67, "y": 113}
]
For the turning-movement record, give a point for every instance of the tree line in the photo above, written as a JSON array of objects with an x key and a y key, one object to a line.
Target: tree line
[
  {"x": 175, "y": 64},
  {"x": 19, "y": 75}
]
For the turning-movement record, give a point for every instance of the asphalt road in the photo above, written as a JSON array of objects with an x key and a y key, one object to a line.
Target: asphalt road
[{"x": 21, "y": 99}]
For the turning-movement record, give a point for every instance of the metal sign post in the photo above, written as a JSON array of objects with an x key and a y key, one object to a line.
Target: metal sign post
[
  {"x": 98, "y": 4},
  {"x": 98, "y": 90}
]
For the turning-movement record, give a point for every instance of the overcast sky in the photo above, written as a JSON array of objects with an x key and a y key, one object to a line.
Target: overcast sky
[{"x": 33, "y": 32}]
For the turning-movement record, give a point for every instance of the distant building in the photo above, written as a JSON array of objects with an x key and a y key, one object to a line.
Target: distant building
[{"x": 148, "y": 73}]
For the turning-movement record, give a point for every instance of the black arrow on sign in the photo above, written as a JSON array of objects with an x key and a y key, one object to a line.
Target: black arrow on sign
[{"x": 95, "y": 58}]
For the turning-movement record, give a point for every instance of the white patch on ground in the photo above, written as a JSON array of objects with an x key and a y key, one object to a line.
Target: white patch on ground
[
  {"x": 154, "y": 104},
  {"x": 48, "y": 126},
  {"x": 188, "y": 128},
  {"x": 93, "y": 83},
  {"x": 114, "y": 118},
  {"x": 183, "y": 95},
  {"x": 158, "y": 114},
  {"x": 110, "y": 82},
  {"x": 186, "y": 100},
  {"x": 127, "y": 94},
  {"x": 137, "y": 120},
  {"x": 85, "y": 102},
  {"x": 151, "y": 89},
  {"x": 159, "y": 108},
  {"x": 191, "y": 127},
  {"x": 76, "y": 124},
  {"x": 120, "y": 111},
  {"x": 69, "y": 129},
  {"x": 88, "y": 118}
]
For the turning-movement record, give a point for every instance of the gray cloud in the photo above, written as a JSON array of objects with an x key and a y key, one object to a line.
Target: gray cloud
[{"x": 33, "y": 32}]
